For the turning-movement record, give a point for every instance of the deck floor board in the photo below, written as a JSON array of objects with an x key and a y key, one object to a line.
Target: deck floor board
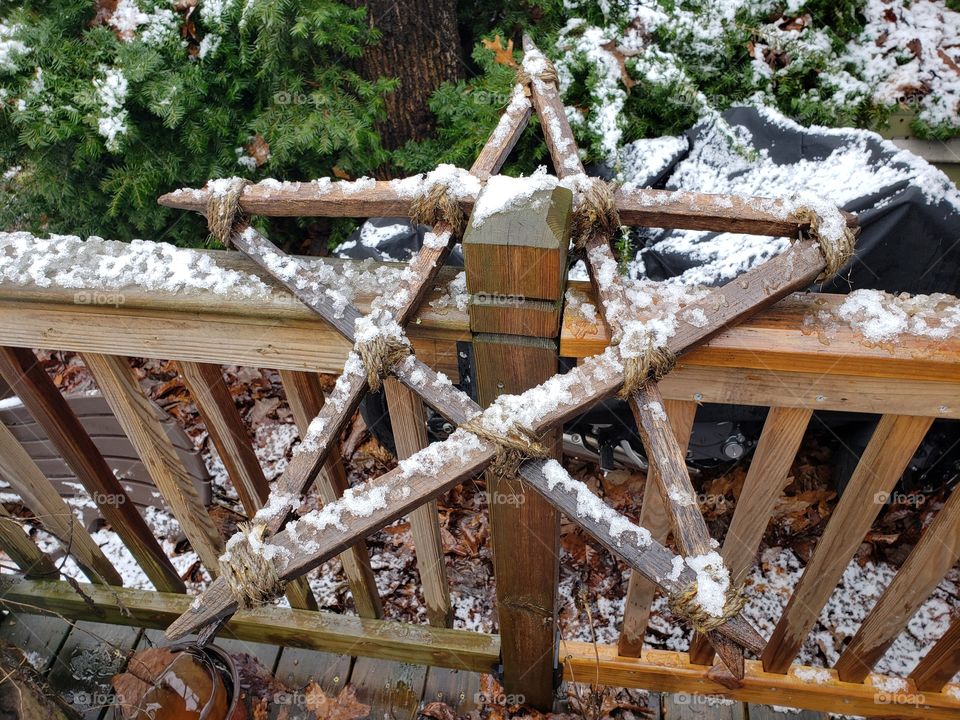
[
  {"x": 80, "y": 662},
  {"x": 38, "y": 636}
]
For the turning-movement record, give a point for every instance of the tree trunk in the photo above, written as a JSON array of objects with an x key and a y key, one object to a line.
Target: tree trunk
[{"x": 419, "y": 44}]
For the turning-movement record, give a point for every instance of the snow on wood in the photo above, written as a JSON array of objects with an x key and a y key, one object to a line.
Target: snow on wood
[
  {"x": 590, "y": 507},
  {"x": 882, "y": 317},
  {"x": 66, "y": 261}
]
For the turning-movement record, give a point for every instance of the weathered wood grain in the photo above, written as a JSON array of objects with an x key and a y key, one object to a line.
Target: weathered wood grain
[
  {"x": 524, "y": 528},
  {"x": 652, "y": 560},
  {"x": 48, "y": 407},
  {"x": 330, "y": 632}
]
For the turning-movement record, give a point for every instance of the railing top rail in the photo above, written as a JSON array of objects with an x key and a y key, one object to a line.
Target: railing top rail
[{"x": 801, "y": 333}]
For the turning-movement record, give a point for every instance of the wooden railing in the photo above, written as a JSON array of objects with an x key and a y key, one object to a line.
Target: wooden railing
[{"x": 769, "y": 361}]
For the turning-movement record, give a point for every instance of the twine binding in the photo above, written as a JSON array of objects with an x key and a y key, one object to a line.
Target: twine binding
[
  {"x": 683, "y": 604},
  {"x": 436, "y": 206},
  {"x": 251, "y": 577},
  {"x": 547, "y": 75},
  {"x": 836, "y": 253},
  {"x": 519, "y": 444},
  {"x": 596, "y": 214},
  {"x": 653, "y": 365},
  {"x": 379, "y": 356},
  {"x": 224, "y": 215}
]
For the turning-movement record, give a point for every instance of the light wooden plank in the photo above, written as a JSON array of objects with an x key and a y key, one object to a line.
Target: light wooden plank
[
  {"x": 289, "y": 336},
  {"x": 653, "y": 516},
  {"x": 306, "y": 401},
  {"x": 890, "y": 448},
  {"x": 42, "y": 499},
  {"x": 139, "y": 420},
  {"x": 30, "y": 382},
  {"x": 672, "y": 672},
  {"x": 233, "y": 443},
  {"x": 809, "y": 390},
  {"x": 940, "y": 663},
  {"x": 766, "y": 478},
  {"x": 931, "y": 558},
  {"x": 408, "y": 420}
]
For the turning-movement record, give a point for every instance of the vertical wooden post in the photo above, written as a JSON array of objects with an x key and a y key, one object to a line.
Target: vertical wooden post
[{"x": 516, "y": 272}]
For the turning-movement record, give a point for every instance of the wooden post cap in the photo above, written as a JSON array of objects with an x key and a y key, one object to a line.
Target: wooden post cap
[{"x": 519, "y": 252}]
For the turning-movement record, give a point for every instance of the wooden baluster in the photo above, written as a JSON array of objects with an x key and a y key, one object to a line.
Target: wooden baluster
[
  {"x": 934, "y": 554},
  {"x": 232, "y": 441},
  {"x": 893, "y": 444},
  {"x": 766, "y": 478},
  {"x": 50, "y": 409},
  {"x": 409, "y": 422},
  {"x": 42, "y": 499},
  {"x": 34, "y": 563},
  {"x": 306, "y": 398},
  {"x": 941, "y": 663},
  {"x": 516, "y": 265},
  {"x": 653, "y": 516},
  {"x": 144, "y": 428}
]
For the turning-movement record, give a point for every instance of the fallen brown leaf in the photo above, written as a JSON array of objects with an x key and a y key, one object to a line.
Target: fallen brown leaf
[
  {"x": 344, "y": 706},
  {"x": 501, "y": 55}
]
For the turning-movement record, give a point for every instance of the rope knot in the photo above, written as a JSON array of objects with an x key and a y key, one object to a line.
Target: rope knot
[
  {"x": 250, "y": 575},
  {"x": 436, "y": 206},
  {"x": 224, "y": 216},
  {"x": 653, "y": 364},
  {"x": 378, "y": 356},
  {"x": 836, "y": 250},
  {"x": 537, "y": 66},
  {"x": 519, "y": 443},
  {"x": 684, "y": 605},
  {"x": 596, "y": 214}
]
